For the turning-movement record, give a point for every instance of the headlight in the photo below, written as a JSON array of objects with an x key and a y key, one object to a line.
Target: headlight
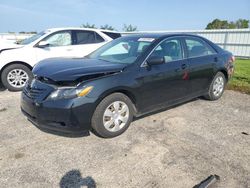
[{"x": 69, "y": 93}]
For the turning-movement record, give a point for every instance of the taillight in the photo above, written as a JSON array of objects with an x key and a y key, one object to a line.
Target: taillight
[
  {"x": 230, "y": 69},
  {"x": 232, "y": 59}
]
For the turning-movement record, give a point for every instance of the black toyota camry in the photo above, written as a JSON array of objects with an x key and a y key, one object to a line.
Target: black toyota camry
[{"x": 128, "y": 77}]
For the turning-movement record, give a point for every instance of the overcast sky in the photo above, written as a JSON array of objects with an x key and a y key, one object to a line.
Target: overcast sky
[{"x": 32, "y": 15}]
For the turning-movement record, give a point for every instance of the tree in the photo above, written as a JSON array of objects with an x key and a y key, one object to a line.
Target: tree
[
  {"x": 129, "y": 28},
  {"x": 242, "y": 23},
  {"x": 218, "y": 24},
  {"x": 231, "y": 25},
  {"x": 87, "y": 25},
  {"x": 107, "y": 27},
  {"x": 224, "y": 24}
]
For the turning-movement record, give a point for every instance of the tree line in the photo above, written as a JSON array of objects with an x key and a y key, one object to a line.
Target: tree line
[
  {"x": 225, "y": 24},
  {"x": 215, "y": 24},
  {"x": 126, "y": 28}
]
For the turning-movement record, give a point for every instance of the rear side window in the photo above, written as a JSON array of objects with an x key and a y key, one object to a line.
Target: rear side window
[
  {"x": 198, "y": 48},
  {"x": 112, "y": 35},
  {"x": 98, "y": 38},
  {"x": 85, "y": 37}
]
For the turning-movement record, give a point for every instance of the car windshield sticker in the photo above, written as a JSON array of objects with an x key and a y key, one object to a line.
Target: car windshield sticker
[{"x": 146, "y": 39}]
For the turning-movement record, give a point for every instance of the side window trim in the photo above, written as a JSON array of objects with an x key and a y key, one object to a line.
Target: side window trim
[
  {"x": 73, "y": 37},
  {"x": 201, "y": 41},
  {"x": 180, "y": 38},
  {"x": 56, "y": 32}
]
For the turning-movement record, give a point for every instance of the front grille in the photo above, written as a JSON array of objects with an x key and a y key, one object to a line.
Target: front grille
[{"x": 32, "y": 93}]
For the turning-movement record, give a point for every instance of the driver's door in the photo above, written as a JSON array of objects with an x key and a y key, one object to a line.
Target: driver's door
[
  {"x": 164, "y": 84},
  {"x": 59, "y": 44}
]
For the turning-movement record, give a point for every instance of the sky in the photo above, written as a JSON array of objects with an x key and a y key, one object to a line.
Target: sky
[{"x": 147, "y": 15}]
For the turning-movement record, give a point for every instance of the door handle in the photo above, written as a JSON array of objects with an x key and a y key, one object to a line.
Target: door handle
[
  {"x": 183, "y": 66},
  {"x": 69, "y": 49}
]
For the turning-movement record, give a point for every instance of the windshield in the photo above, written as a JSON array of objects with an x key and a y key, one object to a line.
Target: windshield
[
  {"x": 32, "y": 38},
  {"x": 122, "y": 50}
]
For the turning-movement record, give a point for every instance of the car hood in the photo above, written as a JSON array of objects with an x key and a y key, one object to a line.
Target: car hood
[
  {"x": 4, "y": 47},
  {"x": 72, "y": 69}
]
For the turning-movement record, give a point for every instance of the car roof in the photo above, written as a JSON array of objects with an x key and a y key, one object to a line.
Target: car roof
[
  {"x": 79, "y": 28},
  {"x": 135, "y": 34},
  {"x": 158, "y": 35}
]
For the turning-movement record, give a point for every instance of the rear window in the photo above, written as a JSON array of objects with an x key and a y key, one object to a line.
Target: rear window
[{"x": 112, "y": 35}]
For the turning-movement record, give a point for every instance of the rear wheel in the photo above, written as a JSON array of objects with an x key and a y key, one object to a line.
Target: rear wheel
[
  {"x": 113, "y": 115},
  {"x": 217, "y": 87},
  {"x": 15, "y": 76}
]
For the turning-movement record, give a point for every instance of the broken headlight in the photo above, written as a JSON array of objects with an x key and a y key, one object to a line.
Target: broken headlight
[{"x": 69, "y": 93}]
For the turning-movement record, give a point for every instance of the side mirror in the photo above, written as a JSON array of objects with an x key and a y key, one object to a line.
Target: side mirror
[
  {"x": 155, "y": 60},
  {"x": 43, "y": 44}
]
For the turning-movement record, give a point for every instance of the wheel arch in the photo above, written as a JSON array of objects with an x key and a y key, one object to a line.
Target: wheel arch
[
  {"x": 124, "y": 91},
  {"x": 224, "y": 72},
  {"x": 15, "y": 62}
]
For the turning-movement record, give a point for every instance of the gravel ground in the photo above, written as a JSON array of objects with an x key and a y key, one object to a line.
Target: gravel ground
[{"x": 178, "y": 147}]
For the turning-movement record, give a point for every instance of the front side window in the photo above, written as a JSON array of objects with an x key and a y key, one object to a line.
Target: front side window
[
  {"x": 59, "y": 39},
  {"x": 170, "y": 50},
  {"x": 198, "y": 48},
  {"x": 122, "y": 50}
]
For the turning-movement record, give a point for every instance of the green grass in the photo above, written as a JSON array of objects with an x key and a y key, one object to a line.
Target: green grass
[{"x": 241, "y": 78}]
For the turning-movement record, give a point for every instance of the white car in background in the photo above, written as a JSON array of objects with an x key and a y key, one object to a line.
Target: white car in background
[{"x": 17, "y": 61}]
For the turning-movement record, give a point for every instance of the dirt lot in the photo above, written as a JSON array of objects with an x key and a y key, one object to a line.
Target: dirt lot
[{"x": 178, "y": 147}]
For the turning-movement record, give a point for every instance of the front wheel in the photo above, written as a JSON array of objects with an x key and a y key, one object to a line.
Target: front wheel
[
  {"x": 113, "y": 115},
  {"x": 217, "y": 87},
  {"x": 15, "y": 76}
]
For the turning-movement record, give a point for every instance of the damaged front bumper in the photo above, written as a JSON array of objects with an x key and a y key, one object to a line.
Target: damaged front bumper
[{"x": 65, "y": 115}]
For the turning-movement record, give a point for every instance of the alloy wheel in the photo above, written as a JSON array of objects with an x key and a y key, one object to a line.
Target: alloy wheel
[
  {"x": 17, "y": 78},
  {"x": 218, "y": 86}
]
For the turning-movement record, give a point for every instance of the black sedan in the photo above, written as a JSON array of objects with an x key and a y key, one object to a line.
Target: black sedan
[{"x": 126, "y": 78}]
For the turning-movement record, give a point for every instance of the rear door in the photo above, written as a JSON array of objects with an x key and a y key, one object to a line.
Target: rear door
[
  {"x": 201, "y": 59},
  {"x": 85, "y": 42}
]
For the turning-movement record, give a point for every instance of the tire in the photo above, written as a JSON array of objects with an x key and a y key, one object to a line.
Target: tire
[
  {"x": 215, "y": 94},
  {"x": 14, "y": 69},
  {"x": 99, "y": 119}
]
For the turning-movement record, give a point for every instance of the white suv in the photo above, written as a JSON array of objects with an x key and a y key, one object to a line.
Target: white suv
[{"x": 16, "y": 62}]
